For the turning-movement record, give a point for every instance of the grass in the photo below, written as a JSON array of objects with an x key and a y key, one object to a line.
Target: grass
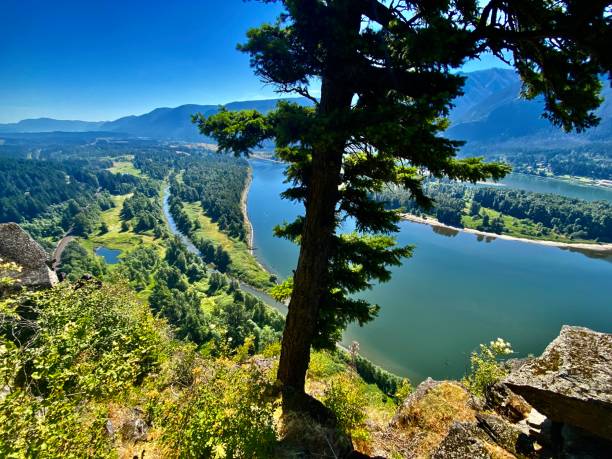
[
  {"x": 244, "y": 266},
  {"x": 517, "y": 227},
  {"x": 124, "y": 167},
  {"x": 426, "y": 421},
  {"x": 327, "y": 367},
  {"x": 126, "y": 241}
]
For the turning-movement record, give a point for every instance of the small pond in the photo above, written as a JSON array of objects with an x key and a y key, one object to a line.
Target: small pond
[{"x": 111, "y": 256}]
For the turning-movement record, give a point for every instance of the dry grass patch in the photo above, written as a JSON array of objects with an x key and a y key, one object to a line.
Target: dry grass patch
[{"x": 425, "y": 422}]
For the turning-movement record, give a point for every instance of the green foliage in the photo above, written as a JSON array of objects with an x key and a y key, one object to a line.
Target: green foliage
[
  {"x": 223, "y": 414},
  {"x": 138, "y": 265},
  {"x": 29, "y": 187},
  {"x": 403, "y": 391},
  {"x": 62, "y": 352},
  {"x": 386, "y": 381},
  {"x": 486, "y": 369},
  {"x": 216, "y": 182},
  {"x": 324, "y": 364},
  {"x": 7, "y": 270},
  {"x": 347, "y": 404},
  {"x": 144, "y": 211},
  {"x": 245, "y": 316},
  {"x": 282, "y": 292},
  {"x": 77, "y": 261},
  {"x": 181, "y": 308},
  {"x": 573, "y": 218}
]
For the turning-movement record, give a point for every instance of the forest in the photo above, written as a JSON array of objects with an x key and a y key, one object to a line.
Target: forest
[
  {"x": 30, "y": 187},
  {"x": 574, "y": 218},
  {"x": 217, "y": 183},
  {"x": 593, "y": 161},
  {"x": 462, "y": 205}
]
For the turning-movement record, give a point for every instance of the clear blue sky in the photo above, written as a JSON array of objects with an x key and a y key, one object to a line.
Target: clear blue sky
[{"x": 102, "y": 59}]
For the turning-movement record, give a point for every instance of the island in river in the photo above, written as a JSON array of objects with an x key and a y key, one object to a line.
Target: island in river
[{"x": 591, "y": 249}]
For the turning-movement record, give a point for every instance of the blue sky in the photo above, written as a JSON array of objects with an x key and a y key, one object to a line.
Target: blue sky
[{"x": 103, "y": 59}]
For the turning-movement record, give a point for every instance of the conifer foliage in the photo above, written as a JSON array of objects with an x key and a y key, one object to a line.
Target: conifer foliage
[{"x": 387, "y": 81}]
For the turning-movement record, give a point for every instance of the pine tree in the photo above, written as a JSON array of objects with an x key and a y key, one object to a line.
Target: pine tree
[{"x": 387, "y": 80}]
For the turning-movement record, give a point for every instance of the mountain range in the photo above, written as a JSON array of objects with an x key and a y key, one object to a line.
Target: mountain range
[{"x": 490, "y": 112}]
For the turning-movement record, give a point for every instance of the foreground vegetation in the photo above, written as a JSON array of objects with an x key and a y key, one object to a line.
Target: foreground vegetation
[{"x": 88, "y": 370}]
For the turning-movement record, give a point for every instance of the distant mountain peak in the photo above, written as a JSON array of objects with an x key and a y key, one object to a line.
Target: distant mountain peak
[{"x": 490, "y": 110}]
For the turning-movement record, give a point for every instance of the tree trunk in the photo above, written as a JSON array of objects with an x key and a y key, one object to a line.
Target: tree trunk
[
  {"x": 309, "y": 281},
  {"x": 309, "y": 278}
]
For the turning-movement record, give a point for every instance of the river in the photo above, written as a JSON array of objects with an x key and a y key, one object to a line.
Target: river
[
  {"x": 558, "y": 186},
  {"x": 193, "y": 249},
  {"x": 456, "y": 291}
]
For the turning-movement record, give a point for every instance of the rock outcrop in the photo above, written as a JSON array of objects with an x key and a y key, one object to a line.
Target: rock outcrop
[
  {"x": 571, "y": 382},
  {"x": 18, "y": 247}
]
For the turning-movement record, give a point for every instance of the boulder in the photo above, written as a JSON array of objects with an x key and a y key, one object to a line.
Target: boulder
[
  {"x": 135, "y": 428},
  {"x": 17, "y": 246},
  {"x": 462, "y": 442},
  {"x": 513, "y": 438},
  {"x": 422, "y": 389},
  {"x": 571, "y": 382},
  {"x": 505, "y": 402}
]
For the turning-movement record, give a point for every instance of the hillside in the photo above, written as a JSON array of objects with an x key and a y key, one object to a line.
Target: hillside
[
  {"x": 489, "y": 113},
  {"x": 161, "y": 123},
  {"x": 492, "y": 113},
  {"x": 50, "y": 125}
]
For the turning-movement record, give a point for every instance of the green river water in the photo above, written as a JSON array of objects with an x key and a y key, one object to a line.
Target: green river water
[{"x": 457, "y": 291}]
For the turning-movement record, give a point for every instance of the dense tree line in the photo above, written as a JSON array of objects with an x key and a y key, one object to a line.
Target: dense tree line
[
  {"x": 448, "y": 201},
  {"x": 574, "y": 218},
  {"x": 388, "y": 382},
  {"x": 29, "y": 187},
  {"x": 217, "y": 183},
  {"x": 571, "y": 218},
  {"x": 144, "y": 212},
  {"x": 594, "y": 161}
]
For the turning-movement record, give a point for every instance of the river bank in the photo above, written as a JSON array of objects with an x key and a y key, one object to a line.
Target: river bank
[
  {"x": 601, "y": 249},
  {"x": 245, "y": 211}
]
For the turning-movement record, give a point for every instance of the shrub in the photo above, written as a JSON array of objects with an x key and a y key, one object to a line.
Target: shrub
[
  {"x": 486, "y": 369},
  {"x": 403, "y": 391},
  {"x": 345, "y": 401},
  {"x": 324, "y": 364},
  {"x": 223, "y": 414},
  {"x": 62, "y": 351}
]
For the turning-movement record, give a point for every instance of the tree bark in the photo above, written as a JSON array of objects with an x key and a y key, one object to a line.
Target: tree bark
[{"x": 309, "y": 281}]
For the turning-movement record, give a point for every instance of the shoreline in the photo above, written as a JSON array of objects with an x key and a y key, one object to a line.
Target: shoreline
[
  {"x": 245, "y": 211},
  {"x": 577, "y": 180},
  {"x": 602, "y": 249}
]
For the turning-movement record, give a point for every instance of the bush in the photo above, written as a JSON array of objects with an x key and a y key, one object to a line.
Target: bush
[
  {"x": 486, "y": 369},
  {"x": 324, "y": 364},
  {"x": 62, "y": 352},
  {"x": 223, "y": 414},
  {"x": 345, "y": 401}
]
